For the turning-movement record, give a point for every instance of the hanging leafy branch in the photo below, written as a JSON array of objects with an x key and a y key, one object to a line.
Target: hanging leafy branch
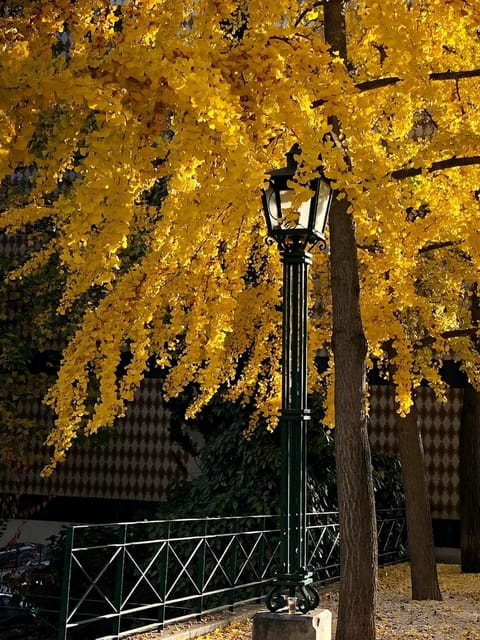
[{"x": 101, "y": 104}]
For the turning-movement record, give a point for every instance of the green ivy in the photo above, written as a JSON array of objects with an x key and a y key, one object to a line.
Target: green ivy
[{"x": 239, "y": 474}]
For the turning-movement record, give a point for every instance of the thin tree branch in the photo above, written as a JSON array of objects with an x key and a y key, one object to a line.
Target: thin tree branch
[
  {"x": 453, "y": 333},
  {"x": 379, "y": 83},
  {"x": 454, "y": 162},
  {"x": 455, "y": 75},
  {"x": 440, "y": 165},
  {"x": 438, "y": 245},
  {"x": 305, "y": 11},
  {"x": 378, "y": 248},
  {"x": 460, "y": 333},
  {"x": 371, "y": 248}
]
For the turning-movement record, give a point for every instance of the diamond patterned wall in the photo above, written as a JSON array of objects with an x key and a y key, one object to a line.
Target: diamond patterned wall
[
  {"x": 13, "y": 246},
  {"x": 440, "y": 427},
  {"x": 138, "y": 461}
]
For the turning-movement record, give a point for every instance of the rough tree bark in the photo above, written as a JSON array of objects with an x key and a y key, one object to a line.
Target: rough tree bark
[
  {"x": 421, "y": 548},
  {"x": 470, "y": 465},
  {"x": 470, "y": 481},
  {"x": 358, "y": 532}
]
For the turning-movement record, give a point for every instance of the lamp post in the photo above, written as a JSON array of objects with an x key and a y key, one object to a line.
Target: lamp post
[{"x": 294, "y": 236}]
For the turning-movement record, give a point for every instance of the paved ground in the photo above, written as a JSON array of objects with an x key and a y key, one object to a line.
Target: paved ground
[
  {"x": 193, "y": 629},
  {"x": 397, "y": 614}
]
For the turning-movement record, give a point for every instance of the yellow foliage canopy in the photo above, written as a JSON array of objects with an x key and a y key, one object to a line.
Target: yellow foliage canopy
[{"x": 200, "y": 98}]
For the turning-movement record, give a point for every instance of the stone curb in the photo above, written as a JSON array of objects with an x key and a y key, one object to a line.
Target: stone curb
[{"x": 188, "y": 631}]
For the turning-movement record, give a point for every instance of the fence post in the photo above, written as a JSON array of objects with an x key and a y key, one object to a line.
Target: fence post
[
  {"x": 119, "y": 576},
  {"x": 261, "y": 558},
  {"x": 163, "y": 571},
  {"x": 234, "y": 563},
  {"x": 201, "y": 566},
  {"x": 66, "y": 579}
]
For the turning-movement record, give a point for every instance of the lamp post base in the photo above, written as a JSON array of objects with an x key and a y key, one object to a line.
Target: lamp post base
[
  {"x": 272, "y": 626},
  {"x": 293, "y": 592}
]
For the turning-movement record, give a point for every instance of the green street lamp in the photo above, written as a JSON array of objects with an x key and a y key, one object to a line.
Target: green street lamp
[{"x": 294, "y": 236}]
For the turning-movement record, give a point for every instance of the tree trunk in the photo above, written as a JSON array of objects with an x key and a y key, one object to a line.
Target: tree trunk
[
  {"x": 421, "y": 548},
  {"x": 358, "y": 532},
  {"x": 358, "y": 528},
  {"x": 470, "y": 481}
]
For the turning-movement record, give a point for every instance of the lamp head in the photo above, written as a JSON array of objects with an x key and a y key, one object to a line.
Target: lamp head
[{"x": 305, "y": 226}]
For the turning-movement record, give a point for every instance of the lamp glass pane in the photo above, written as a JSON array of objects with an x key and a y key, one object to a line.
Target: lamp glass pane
[
  {"x": 273, "y": 212},
  {"x": 285, "y": 219},
  {"x": 304, "y": 215},
  {"x": 321, "y": 213}
]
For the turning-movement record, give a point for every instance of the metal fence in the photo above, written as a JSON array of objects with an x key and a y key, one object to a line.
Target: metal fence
[{"x": 133, "y": 577}]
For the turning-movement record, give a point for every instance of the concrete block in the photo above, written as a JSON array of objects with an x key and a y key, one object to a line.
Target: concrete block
[{"x": 315, "y": 625}]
